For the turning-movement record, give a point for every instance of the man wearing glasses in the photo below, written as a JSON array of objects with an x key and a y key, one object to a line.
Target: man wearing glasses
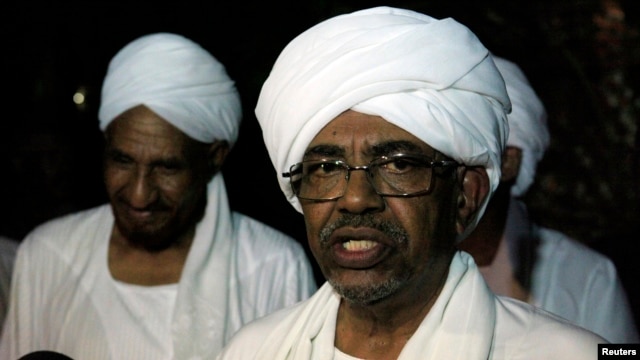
[{"x": 387, "y": 127}]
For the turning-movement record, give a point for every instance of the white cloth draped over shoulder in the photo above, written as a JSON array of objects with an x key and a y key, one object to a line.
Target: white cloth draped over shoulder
[
  {"x": 466, "y": 322},
  {"x": 237, "y": 269},
  {"x": 447, "y": 93}
]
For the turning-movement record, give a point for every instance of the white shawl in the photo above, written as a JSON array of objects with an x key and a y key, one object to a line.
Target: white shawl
[
  {"x": 460, "y": 325},
  {"x": 198, "y": 327}
]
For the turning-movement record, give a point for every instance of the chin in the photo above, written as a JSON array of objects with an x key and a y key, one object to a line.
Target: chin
[
  {"x": 367, "y": 294},
  {"x": 151, "y": 241}
]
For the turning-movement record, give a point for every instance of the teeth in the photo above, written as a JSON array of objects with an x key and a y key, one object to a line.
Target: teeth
[{"x": 355, "y": 245}]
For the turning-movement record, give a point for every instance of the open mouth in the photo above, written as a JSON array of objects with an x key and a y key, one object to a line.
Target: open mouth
[{"x": 358, "y": 245}]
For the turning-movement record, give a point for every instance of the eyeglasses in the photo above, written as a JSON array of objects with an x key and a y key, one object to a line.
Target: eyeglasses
[{"x": 398, "y": 175}]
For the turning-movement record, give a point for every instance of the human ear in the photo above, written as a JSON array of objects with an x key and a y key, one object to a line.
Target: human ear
[
  {"x": 511, "y": 160},
  {"x": 216, "y": 155},
  {"x": 474, "y": 189}
]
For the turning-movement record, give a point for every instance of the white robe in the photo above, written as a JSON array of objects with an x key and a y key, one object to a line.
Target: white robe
[
  {"x": 580, "y": 284},
  {"x": 567, "y": 277},
  {"x": 64, "y": 298},
  {"x": 466, "y": 322}
]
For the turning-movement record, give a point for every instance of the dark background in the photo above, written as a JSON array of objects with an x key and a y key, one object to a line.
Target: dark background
[{"x": 581, "y": 56}]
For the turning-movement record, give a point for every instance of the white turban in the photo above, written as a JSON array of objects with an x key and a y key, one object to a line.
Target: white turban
[
  {"x": 433, "y": 78},
  {"x": 527, "y": 123},
  {"x": 178, "y": 80}
]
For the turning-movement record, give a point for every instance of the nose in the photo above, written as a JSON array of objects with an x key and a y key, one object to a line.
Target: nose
[
  {"x": 359, "y": 195},
  {"x": 141, "y": 189}
]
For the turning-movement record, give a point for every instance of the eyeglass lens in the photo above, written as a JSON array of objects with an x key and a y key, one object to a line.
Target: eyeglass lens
[{"x": 391, "y": 176}]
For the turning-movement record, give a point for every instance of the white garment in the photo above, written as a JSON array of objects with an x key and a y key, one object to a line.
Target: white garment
[
  {"x": 466, "y": 322},
  {"x": 8, "y": 248},
  {"x": 582, "y": 285},
  {"x": 569, "y": 279},
  {"x": 63, "y": 295},
  {"x": 528, "y": 129}
]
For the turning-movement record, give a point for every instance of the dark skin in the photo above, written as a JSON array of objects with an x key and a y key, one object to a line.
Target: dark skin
[
  {"x": 487, "y": 238},
  {"x": 156, "y": 179},
  {"x": 404, "y": 268}
]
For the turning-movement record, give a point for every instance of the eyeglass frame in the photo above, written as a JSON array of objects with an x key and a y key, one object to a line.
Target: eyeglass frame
[{"x": 432, "y": 164}]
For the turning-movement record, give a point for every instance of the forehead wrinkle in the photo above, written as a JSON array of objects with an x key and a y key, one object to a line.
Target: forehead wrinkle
[
  {"x": 391, "y": 147},
  {"x": 384, "y": 148}
]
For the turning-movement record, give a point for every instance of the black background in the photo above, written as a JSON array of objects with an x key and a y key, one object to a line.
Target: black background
[{"x": 51, "y": 148}]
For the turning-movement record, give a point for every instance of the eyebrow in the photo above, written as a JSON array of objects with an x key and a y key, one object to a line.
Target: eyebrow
[
  {"x": 325, "y": 151},
  {"x": 170, "y": 161}
]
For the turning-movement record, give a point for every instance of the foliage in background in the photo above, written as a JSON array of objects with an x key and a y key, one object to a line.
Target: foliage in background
[{"x": 588, "y": 184}]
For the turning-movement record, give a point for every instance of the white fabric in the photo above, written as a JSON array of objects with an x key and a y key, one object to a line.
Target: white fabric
[
  {"x": 8, "y": 248},
  {"x": 581, "y": 285},
  {"x": 430, "y": 77},
  {"x": 527, "y": 123},
  {"x": 237, "y": 270},
  {"x": 570, "y": 279},
  {"x": 466, "y": 322},
  {"x": 339, "y": 355},
  {"x": 178, "y": 80},
  {"x": 152, "y": 306}
]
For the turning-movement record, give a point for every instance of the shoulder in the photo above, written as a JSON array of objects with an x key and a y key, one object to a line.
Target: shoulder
[
  {"x": 555, "y": 240},
  {"x": 251, "y": 338},
  {"x": 263, "y": 239},
  {"x": 567, "y": 253},
  {"x": 524, "y": 329},
  {"x": 72, "y": 222},
  {"x": 69, "y": 231}
]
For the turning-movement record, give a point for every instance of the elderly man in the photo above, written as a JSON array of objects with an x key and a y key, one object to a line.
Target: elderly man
[
  {"x": 165, "y": 270},
  {"x": 388, "y": 127},
  {"x": 532, "y": 263}
]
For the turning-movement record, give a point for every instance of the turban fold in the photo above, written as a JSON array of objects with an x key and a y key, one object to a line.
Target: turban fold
[
  {"x": 433, "y": 78},
  {"x": 527, "y": 123},
  {"x": 178, "y": 80}
]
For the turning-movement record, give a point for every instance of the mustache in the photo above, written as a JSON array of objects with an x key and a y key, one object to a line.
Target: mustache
[
  {"x": 390, "y": 229},
  {"x": 158, "y": 205}
]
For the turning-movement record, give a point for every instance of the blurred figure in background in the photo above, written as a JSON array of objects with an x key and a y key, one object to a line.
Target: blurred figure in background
[
  {"x": 165, "y": 270},
  {"x": 8, "y": 249},
  {"x": 531, "y": 263}
]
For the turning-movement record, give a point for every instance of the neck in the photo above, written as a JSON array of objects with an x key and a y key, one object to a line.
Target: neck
[
  {"x": 381, "y": 330},
  {"x": 133, "y": 264},
  {"x": 484, "y": 241}
]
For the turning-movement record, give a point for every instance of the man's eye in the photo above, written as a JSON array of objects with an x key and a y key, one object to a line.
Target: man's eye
[
  {"x": 329, "y": 167},
  {"x": 120, "y": 159},
  {"x": 323, "y": 168},
  {"x": 401, "y": 165},
  {"x": 169, "y": 167}
]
